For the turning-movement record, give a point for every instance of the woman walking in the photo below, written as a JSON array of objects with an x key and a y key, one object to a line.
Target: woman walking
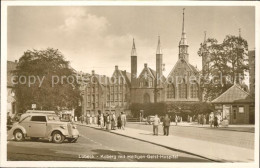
[
  {"x": 113, "y": 121},
  {"x": 119, "y": 122}
]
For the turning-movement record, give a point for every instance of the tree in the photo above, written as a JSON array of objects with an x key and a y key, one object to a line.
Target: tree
[
  {"x": 224, "y": 64},
  {"x": 44, "y": 78}
]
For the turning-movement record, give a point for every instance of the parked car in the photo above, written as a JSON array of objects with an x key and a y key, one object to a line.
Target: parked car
[
  {"x": 44, "y": 125},
  {"x": 150, "y": 119}
]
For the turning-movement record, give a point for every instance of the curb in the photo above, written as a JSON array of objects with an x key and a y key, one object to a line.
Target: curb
[{"x": 178, "y": 150}]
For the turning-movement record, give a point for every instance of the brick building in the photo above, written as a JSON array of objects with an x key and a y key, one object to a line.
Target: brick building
[
  {"x": 102, "y": 93},
  {"x": 236, "y": 105},
  {"x": 152, "y": 86},
  {"x": 111, "y": 94}
]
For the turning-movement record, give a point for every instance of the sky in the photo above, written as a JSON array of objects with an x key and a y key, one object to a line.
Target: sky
[{"x": 100, "y": 37}]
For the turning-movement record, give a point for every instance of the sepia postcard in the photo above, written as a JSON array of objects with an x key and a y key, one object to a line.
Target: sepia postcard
[{"x": 129, "y": 84}]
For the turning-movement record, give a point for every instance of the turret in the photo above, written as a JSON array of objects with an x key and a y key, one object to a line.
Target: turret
[
  {"x": 133, "y": 65},
  {"x": 159, "y": 57},
  {"x": 183, "y": 45}
]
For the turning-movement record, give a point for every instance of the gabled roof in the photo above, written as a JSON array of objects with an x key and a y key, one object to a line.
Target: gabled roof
[
  {"x": 127, "y": 76},
  {"x": 192, "y": 68},
  {"x": 150, "y": 71},
  {"x": 232, "y": 95},
  {"x": 153, "y": 72}
]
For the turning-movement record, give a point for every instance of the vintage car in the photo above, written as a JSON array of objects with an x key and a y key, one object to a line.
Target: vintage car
[
  {"x": 44, "y": 125},
  {"x": 150, "y": 120}
]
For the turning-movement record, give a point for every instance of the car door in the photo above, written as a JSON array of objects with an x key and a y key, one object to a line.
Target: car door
[{"x": 37, "y": 126}]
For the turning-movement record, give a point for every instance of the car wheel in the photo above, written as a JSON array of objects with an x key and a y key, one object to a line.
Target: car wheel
[
  {"x": 18, "y": 135},
  {"x": 72, "y": 140},
  {"x": 57, "y": 137},
  {"x": 34, "y": 139}
]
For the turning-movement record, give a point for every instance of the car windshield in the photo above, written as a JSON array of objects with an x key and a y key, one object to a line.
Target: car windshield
[{"x": 53, "y": 118}]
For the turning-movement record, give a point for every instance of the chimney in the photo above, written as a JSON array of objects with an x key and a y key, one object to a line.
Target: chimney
[
  {"x": 93, "y": 72},
  {"x": 116, "y": 67},
  {"x": 145, "y": 65}
]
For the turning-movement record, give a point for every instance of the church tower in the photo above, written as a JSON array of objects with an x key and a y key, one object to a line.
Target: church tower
[
  {"x": 159, "y": 57},
  {"x": 183, "y": 45},
  {"x": 133, "y": 65}
]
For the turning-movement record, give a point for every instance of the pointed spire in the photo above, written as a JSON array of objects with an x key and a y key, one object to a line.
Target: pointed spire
[
  {"x": 159, "y": 50},
  {"x": 183, "y": 29},
  {"x": 239, "y": 32},
  {"x": 183, "y": 34},
  {"x": 133, "y": 52},
  {"x": 205, "y": 36}
]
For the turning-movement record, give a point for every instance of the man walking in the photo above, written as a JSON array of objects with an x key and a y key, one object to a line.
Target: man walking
[
  {"x": 211, "y": 119},
  {"x": 123, "y": 120},
  {"x": 166, "y": 125},
  {"x": 156, "y": 123},
  {"x": 108, "y": 122}
]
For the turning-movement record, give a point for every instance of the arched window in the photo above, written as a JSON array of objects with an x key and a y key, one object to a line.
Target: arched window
[
  {"x": 170, "y": 91},
  {"x": 182, "y": 87},
  {"x": 146, "y": 98},
  {"x": 194, "y": 90}
]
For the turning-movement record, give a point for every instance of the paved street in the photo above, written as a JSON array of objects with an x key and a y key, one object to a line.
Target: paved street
[
  {"x": 96, "y": 145},
  {"x": 234, "y": 138}
]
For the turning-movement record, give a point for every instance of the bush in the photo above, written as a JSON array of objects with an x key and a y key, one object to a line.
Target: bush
[{"x": 189, "y": 108}]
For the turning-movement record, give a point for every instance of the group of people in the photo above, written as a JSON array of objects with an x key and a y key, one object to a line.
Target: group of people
[
  {"x": 88, "y": 119},
  {"x": 215, "y": 119},
  {"x": 165, "y": 123},
  {"x": 111, "y": 122}
]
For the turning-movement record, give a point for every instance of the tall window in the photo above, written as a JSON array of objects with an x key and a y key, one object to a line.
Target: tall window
[
  {"x": 194, "y": 91},
  {"x": 170, "y": 91},
  {"x": 150, "y": 83},
  {"x": 116, "y": 88},
  {"x": 182, "y": 89}
]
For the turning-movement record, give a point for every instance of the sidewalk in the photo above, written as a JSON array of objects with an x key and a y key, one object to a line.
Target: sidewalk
[
  {"x": 241, "y": 128},
  {"x": 210, "y": 150}
]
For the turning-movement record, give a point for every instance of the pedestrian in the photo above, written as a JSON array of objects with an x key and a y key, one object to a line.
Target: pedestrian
[
  {"x": 113, "y": 121},
  {"x": 123, "y": 120},
  {"x": 119, "y": 122},
  {"x": 215, "y": 121},
  {"x": 101, "y": 120},
  {"x": 95, "y": 119},
  {"x": 166, "y": 125},
  {"x": 85, "y": 119},
  {"x": 9, "y": 121},
  {"x": 199, "y": 118},
  {"x": 211, "y": 119},
  {"x": 202, "y": 119},
  {"x": 219, "y": 119},
  {"x": 98, "y": 120},
  {"x": 156, "y": 123},
  {"x": 108, "y": 122},
  {"x": 176, "y": 120},
  {"x": 90, "y": 119}
]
